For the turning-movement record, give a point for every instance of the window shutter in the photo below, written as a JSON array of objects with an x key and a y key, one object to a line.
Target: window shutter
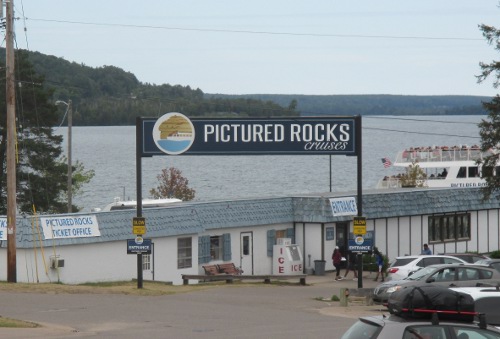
[
  {"x": 204, "y": 249},
  {"x": 290, "y": 233},
  {"x": 226, "y": 239},
  {"x": 271, "y": 240}
]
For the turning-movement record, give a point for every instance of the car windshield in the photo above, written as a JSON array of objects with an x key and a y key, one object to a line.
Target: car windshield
[
  {"x": 420, "y": 274},
  {"x": 362, "y": 329},
  {"x": 402, "y": 262}
]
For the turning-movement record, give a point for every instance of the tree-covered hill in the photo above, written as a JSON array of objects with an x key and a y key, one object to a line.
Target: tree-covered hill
[
  {"x": 109, "y": 95},
  {"x": 310, "y": 105}
]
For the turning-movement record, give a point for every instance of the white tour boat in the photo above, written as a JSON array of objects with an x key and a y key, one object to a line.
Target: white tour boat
[
  {"x": 446, "y": 167},
  {"x": 118, "y": 204}
]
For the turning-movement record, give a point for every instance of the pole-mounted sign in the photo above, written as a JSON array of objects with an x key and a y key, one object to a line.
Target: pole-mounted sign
[
  {"x": 176, "y": 134},
  {"x": 139, "y": 225}
]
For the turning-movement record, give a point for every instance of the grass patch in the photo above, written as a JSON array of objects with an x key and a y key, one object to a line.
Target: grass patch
[
  {"x": 14, "y": 323},
  {"x": 149, "y": 288}
]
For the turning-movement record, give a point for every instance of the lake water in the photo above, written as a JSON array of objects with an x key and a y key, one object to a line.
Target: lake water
[{"x": 110, "y": 152}]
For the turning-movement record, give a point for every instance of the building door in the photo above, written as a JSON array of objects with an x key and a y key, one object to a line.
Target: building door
[
  {"x": 341, "y": 236},
  {"x": 246, "y": 255},
  {"x": 148, "y": 265}
]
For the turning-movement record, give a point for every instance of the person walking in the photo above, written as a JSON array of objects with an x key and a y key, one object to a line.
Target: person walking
[
  {"x": 337, "y": 259},
  {"x": 351, "y": 264},
  {"x": 426, "y": 250},
  {"x": 379, "y": 261}
]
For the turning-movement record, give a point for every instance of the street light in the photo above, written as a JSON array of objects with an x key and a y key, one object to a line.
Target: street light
[{"x": 69, "y": 112}]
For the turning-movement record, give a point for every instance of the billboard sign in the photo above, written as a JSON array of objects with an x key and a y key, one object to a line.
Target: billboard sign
[{"x": 175, "y": 134}]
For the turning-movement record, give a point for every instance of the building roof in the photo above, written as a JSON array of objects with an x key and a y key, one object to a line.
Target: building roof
[{"x": 192, "y": 218}]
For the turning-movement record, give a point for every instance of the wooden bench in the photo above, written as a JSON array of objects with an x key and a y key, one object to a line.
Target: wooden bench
[
  {"x": 268, "y": 277},
  {"x": 211, "y": 269},
  {"x": 229, "y": 278},
  {"x": 229, "y": 268},
  {"x": 186, "y": 277}
]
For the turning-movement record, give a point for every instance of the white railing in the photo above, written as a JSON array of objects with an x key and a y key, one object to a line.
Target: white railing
[{"x": 440, "y": 154}]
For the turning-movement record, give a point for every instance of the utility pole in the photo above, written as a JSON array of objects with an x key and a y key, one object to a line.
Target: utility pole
[
  {"x": 69, "y": 112},
  {"x": 11, "y": 144},
  {"x": 70, "y": 167}
]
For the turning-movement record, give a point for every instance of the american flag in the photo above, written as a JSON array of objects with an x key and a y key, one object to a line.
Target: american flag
[{"x": 387, "y": 162}]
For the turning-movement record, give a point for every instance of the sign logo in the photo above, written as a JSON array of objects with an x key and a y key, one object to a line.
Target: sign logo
[{"x": 173, "y": 133}]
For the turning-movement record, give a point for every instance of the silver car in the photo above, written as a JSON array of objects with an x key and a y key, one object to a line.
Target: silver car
[
  {"x": 448, "y": 275},
  {"x": 394, "y": 327}
]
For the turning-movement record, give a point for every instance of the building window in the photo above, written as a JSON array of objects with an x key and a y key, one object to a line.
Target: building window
[
  {"x": 184, "y": 253},
  {"x": 273, "y": 235},
  {"x": 449, "y": 227},
  {"x": 280, "y": 234},
  {"x": 146, "y": 262},
  {"x": 216, "y": 247}
]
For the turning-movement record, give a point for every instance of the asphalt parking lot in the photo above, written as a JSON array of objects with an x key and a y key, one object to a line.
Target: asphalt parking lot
[{"x": 226, "y": 311}]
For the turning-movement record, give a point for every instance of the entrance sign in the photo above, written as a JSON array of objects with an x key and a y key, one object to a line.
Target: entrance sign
[
  {"x": 3, "y": 228},
  {"x": 360, "y": 244},
  {"x": 176, "y": 134},
  {"x": 343, "y": 206},
  {"x": 139, "y": 246},
  {"x": 80, "y": 226}
]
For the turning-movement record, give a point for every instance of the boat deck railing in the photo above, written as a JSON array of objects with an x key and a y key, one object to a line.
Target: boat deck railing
[
  {"x": 394, "y": 181},
  {"x": 440, "y": 155}
]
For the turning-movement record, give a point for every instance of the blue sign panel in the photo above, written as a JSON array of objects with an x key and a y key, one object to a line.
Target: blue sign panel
[
  {"x": 175, "y": 134},
  {"x": 360, "y": 244},
  {"x": 330, "y": 233},
  {"x": 143, "y": 247}
]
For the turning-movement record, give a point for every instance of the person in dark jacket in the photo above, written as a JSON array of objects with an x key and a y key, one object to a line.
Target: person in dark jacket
[
  {"x": 337, "y": 259},
  {"x": 351, "y": 264}
]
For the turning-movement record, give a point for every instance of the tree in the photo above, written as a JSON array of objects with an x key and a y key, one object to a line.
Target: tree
[
  {"x": 172, "y": 185},
  {"x": 414, "y": 176},
  {"x": 80, "y": 177},
  {"x": 41, "y": 174},
  {"x": 489, "y": 129}
]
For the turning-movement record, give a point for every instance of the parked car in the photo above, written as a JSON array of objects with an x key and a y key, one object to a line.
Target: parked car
[
  {"x": 395, "y": 327},
  {"x": 401, "y": 267},
  {"x": 486, "y": 300},
  {"x": 448, "y": 275},
  {"x": 471, "y": 258},
  {"x": 494, "y": 263}
]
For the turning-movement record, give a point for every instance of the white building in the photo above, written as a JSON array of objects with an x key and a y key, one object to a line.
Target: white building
[{"x": 189, "y": 235}]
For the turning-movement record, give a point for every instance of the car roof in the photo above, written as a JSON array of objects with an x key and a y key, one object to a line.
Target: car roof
[
  {"x": 381, "y": 320},
  {"x": 426, "y": 256},
  {"x": 461, "y": 265},
  {"x": 478, "y": 292}
]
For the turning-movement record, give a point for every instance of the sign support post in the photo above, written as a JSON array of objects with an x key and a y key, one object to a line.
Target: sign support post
[
  {"x": 138, "y": 173},
  {"x": 359, "y": 152}
]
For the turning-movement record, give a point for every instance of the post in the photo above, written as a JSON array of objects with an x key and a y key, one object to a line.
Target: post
[
  {"x": 359, "y": 152},
  {"x": 138, "y": 166},
  {"x": 11, "y": 144},
  {"x": 70, "y": 168}
]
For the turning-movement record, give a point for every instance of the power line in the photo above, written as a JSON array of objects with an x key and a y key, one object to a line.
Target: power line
[
  {"x": 421, "y": 120},
  {"x": 421, "y": 133},
  {"x": 356, "y": 36}
]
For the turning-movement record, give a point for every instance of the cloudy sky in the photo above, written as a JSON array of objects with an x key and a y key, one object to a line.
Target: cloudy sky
[{"x": 412, "y": 47}]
